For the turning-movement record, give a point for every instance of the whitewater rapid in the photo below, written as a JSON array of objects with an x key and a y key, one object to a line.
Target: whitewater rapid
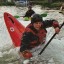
[{"x": 8, "y": 54}]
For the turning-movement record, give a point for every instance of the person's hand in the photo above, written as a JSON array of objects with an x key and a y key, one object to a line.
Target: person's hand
[
  {"x": 57, "y": 30},
  {"x": 26, "y": 54}
]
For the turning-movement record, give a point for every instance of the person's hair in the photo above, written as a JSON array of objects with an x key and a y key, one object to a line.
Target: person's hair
[{"x": 36, "y": 18}]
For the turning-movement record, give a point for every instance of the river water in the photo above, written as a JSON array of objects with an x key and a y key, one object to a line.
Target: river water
[{"x": 9, "y": 54}]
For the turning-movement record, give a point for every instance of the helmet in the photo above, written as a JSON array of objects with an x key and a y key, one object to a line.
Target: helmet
[
  {"x": 29, "y": 6},
  {"x": 36, "y": 18}
]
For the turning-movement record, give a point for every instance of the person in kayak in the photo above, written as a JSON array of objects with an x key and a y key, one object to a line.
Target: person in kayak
[
  {"x": 30, "y": 12},
  {"x": 35, "y": 34}
]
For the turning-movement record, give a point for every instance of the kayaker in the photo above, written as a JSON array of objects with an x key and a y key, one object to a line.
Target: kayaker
[
  {"x": 30, "y": 12},
  {"x": 35, "y": 34}
]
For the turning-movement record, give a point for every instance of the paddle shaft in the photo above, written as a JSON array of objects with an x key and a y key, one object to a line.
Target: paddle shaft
[
  {"x": 43, "y": 15},
  {"x": 50, "y": 40}
]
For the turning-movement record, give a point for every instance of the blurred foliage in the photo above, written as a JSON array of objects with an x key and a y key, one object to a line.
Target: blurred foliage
[
  {"x": 52, "y": 5},
  {"x": 48, "y": 3},
  {"x": 7, "y": 4},
  {"x": 43, "y": 3}
]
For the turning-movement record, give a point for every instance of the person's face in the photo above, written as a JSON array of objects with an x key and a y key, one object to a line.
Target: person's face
[
  {"x": 37, "y": 25},
  {"x": 29, "y": 8}
]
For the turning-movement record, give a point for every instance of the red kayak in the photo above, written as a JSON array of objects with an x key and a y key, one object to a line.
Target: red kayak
[{"x": 15, "y": 28}]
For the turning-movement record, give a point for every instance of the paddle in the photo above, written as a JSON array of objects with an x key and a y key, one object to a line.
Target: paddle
[
  {"x": 16, "y": 16},
  {"x": 43, "y": 15},
  {"x": 50, "y": 40}
]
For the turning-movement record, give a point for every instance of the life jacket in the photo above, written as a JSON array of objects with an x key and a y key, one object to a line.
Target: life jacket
[{"x": 38, "y": 37}]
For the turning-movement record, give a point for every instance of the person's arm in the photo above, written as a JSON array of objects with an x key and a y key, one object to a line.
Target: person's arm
[
  {"x": 50, "y": 23},
  {"x": 25, "y": 42},
  {"x": 33, "y": 12},
  {"x": 26, "y": 14}
]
